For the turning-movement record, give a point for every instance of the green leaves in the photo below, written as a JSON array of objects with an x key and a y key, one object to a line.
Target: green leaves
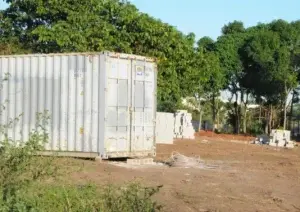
[
  {"x": 234, "y": 27},
  {"x": 267, "y": 60},
  {"x": 93, "y": 25},
  {"x": 263, "y": 60}
]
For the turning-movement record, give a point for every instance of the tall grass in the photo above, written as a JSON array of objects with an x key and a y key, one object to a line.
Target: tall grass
[{"x": 89, "y": 198}]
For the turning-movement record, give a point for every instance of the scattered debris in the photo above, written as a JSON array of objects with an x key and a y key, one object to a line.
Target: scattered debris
[
  {"x": 205, "y": 142},
  {"x": 262, "y": 139},
  {"x": 137, "y": 165},
  {"x": 278, "y": 138},
  {"x": 181, "y": 161},
  {"x": 277, "y": 200}
]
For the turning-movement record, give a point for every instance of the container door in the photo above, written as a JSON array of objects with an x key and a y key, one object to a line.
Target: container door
[
  {"x": 117, "y": 132},
  {"x": 143, "y": 111}
]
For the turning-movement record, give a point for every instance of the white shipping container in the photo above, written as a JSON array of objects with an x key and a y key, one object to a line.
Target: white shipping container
[{"x": 100, "y": 104}]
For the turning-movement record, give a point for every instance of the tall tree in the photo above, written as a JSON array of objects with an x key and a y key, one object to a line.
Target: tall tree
[
  {"x": 93, "y": 25},
  {"x": 215, "y": 82},
  {"x": 268, "y": 64},
  {"x": 227, "y": 47},
  {"x": 213, "y": 75}
]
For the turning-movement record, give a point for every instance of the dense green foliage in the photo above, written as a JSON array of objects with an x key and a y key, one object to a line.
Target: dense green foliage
[
  {"x": 76, "y": 26},
  {"x": 259, "y": 64}
]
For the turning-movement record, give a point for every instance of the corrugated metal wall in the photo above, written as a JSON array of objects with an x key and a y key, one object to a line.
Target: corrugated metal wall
[
  {"x": 143, "y": 106},
  {"x": 98, "y": 103},
  {"x": 65, "y": 85},
  {"x": 131, "y": 105},
  {"x": 117, "y": 129}
]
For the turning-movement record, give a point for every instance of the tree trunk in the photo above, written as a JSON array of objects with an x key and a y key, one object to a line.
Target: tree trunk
[
  {"x": 270, "y": 119},
  {"x": 245, "y": 113},
  {"x": 259, "y": 118},
  {"x": 284, "y": 115},
  {"x": 237, "y": 116},
  {"x": 213, "y": 112},
  {"x": 218, "y": 119},
  {"x": 285, "y": 110},
  {"x": 217, "y": 109},
  {"x": 266, "y": 118},
  {"x": 287, "y": 91},
  {"x": 200, "y": 118},
  {"x": 291, "y": 113},
  {"x": 245, "y": 121}
]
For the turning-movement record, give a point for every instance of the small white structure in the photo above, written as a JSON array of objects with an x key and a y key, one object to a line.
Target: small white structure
[
  {"x": 164, "y": 128},
  {"x": 183, "y": 125},
  {"x": 281, "y": 138}
]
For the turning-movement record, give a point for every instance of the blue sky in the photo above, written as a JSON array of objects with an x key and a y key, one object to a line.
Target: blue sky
[{"x": 206, "y": 17}]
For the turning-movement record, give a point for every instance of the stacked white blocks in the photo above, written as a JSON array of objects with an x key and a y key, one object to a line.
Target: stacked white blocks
[
  {"x": 183, "y": 127},
  {"x": 281, "y": 138}
]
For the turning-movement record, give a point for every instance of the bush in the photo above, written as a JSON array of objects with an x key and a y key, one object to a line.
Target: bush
[
  {"x": 256, "y": 128},
  {"x": 22, "y": 189},
  {"x": 19, "y": 167}
]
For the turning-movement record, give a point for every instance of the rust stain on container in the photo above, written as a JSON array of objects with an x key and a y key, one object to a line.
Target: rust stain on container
[{"x": 81, "y": 130}]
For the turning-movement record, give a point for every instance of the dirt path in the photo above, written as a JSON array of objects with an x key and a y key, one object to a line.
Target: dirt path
[{"x": 247, "y": 177}]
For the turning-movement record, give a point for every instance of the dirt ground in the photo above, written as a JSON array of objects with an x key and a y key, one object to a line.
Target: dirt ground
[{"x": 246, "y": 177}]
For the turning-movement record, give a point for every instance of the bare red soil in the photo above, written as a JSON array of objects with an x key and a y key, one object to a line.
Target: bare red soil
[{"x": 246, "y": 178}]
